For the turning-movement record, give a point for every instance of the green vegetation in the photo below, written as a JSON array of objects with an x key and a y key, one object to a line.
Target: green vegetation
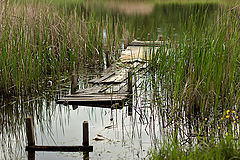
[
  {"x": 226, "y": 148},
  {"x": 200, "y": 76},
  {"x": 38, "y": 41},
  {"x": 202, "y": 70}
]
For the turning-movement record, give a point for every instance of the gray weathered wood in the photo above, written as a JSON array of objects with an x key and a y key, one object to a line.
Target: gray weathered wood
[
  {"x": 115, "y": 84},
  {"x": 99, "y": 80}
]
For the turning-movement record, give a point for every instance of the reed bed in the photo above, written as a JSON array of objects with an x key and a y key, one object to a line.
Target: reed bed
[
  {"x": 196, "y": 83},
  {"x": 39, "y": 40}
]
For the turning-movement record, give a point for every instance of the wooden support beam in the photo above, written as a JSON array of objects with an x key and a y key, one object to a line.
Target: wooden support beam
[{"x": 60, "y": 148}]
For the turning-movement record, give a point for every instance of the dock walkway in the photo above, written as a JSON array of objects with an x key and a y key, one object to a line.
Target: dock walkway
[{"x": 113, "y": 87}]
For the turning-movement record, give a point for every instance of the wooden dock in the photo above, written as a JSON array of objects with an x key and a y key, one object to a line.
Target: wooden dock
[{"x": 114, "y": 85}]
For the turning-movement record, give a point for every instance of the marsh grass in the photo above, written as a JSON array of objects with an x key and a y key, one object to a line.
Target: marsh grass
[
  {"x": 196, "y": 80},
  {"x": 39, "y": 41},
  {"x": 200, "y": 72},
  {"x": 215, "y": 149}
]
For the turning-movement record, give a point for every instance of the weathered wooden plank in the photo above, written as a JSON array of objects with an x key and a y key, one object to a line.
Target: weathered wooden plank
[
  {"x": 99, "y": 95},
  {"x": 115, "y": 89},
  {"x": 91, "y": 90},
  {"x": 90, "y": 99},
  {"x": 118, "y": 78},
  {"x": 102, "y": 78},
  {"x": 60, "y": 148}
]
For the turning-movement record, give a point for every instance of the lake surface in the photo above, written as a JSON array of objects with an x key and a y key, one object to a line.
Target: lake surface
[{"x": 121, "y": 136}]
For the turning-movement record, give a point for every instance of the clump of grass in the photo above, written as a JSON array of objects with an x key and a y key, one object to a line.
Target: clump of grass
[{"x": 226, "y": 148}]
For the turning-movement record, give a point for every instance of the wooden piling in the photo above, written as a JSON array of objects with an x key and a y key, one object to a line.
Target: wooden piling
[
  {"x": 130, "y": 90},
  {"x": 85, "y": 134},
  {"x": 74, "y": 84},
  {"x": 74, "y": 81},
  {"x": 85, "y": 139},
  {"x": 108, "y": 59},
  {"x": 30, "y": 137},
  {"x": 148, "y": 37},
  {"x": 130, "y": 82}
]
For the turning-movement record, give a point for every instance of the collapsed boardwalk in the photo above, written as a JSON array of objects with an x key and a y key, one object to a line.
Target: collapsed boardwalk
[
  {"x": 114, "y": 86},
  {"x": 112, "y": 89}
]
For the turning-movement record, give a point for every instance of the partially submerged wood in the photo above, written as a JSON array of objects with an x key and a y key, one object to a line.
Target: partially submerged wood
[
  {"x": 115, "y": 84},
  {"x": 31, "y": 148}
]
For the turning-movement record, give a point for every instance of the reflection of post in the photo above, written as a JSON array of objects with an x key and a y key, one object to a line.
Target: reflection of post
[
  {"x": 30, "y": 137},
  {"x": 130, "y": 90},
  {"x": 85, "y": 139}
]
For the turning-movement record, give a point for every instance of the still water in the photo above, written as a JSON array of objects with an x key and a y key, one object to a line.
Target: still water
[{"x": 113, "y": 133}]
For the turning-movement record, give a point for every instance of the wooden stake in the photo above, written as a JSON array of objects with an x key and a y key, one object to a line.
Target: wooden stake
[
  {"x": 74, "y": 81},
  {"x": 130, "y": 82},
  {"x": 30, "y": 137},
  {"x": 130, "y": 93},
  {"x": 85, "y": 139},
  {"x": 85, "y": 134},
  {"x": 30, "y": 131}
]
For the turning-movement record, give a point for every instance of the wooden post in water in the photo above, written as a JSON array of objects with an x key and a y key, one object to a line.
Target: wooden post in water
[
  {"x": 74, "y": 81},
  {"x": 74, "y": 85},
  {"x": 148, "y": 38},
  {"x": 130, "y": 90},
  {"x": 30, "y": 137},
  {"x": 108, "y": 60},
  {"x": 130, "y": 82},
  {"x": 85, "y": 139}
]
